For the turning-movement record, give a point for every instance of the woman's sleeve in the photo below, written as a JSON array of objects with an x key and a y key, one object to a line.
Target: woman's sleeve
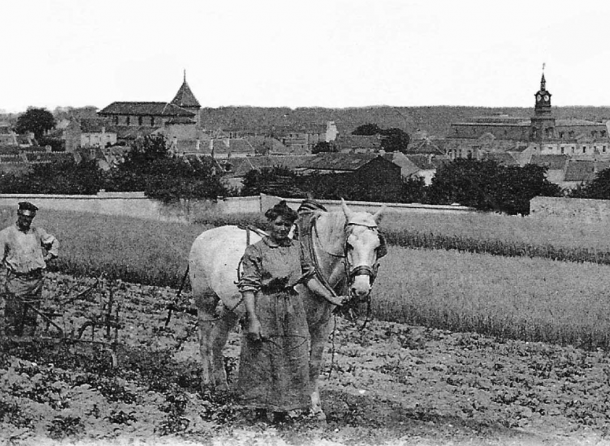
[{"x": 251, "y": 270}]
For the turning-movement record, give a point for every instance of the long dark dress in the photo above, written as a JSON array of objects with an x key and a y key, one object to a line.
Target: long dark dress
[{"x": 274, "y": 372}]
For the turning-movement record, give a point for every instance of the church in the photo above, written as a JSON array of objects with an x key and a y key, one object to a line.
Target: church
[
  {"x": 522, "y": 138},
  {"x": 183, "y": 109}
]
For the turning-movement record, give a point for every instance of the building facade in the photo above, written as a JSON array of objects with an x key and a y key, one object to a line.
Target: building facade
[{"x": 541, "y": 134}]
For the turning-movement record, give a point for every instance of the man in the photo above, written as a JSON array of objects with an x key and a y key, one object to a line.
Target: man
[{"x": 25, "y": 249}]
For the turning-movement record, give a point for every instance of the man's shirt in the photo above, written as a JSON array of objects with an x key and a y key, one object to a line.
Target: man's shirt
[{"x": 22, "y": 252}]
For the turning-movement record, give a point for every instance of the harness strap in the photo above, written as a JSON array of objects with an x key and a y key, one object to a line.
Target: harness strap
[{"x": 306, "y": 226}]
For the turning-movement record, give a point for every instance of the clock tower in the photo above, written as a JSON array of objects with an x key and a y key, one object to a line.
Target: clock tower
[{"x": 542, "y": 123}]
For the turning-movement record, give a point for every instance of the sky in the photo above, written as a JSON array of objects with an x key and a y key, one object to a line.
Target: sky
[{"x": 304, "y": 53}]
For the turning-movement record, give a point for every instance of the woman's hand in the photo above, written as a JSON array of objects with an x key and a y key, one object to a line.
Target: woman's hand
[{"x": 253, "y": 329}]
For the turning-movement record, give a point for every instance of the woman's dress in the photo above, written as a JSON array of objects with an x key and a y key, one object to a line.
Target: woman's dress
[{"x": 274, "y": 372}]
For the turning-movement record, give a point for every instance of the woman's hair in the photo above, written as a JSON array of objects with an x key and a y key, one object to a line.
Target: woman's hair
[{"x": 281, "y": 210}]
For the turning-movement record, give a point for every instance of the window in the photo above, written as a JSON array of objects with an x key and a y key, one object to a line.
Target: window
[
  {"x": 561, "y": 135},
  {"x": 572, "y": 149},
  {"x": 571, "y": 134},
  {"x": 584, "y": 149},
  {"x": 603, "y": 149},
  {"x": 152, "y": 121},
  {"x": 139, "y": 120},
  {"x": 602, "y": 133},
  {"x": 563, "y": 150},
  {"x": 127, "y": 120},
  {"x": 594, "y": 134}
]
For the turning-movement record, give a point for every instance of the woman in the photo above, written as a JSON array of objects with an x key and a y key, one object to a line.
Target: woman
[{"x": 274, "y": 361}]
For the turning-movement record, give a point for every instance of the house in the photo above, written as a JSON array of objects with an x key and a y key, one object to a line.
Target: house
[
  {"x": 579, "y": 172},
  {"x": 425, "y": 146},
  {"x": 8, "y": 137},
  {"x": 88, "y": 132},
  {"x": 237, "y": 168},
  {"x": 106, "y": 157},
  {"x": 427, "y": 165},
  {"x": 556, "y": 166},
  {"x": 367, "y": 168},
  {"x": 358, "y": 143},
  {"x": 301, "y": 140}
]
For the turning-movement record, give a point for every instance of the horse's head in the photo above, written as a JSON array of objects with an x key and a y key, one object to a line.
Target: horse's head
[{"x": 364, "y": 246}]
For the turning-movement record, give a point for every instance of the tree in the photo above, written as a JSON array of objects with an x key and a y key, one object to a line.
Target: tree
[
  {"x": 35, "y": 120},
  {"x": 414, "y": 190},
  {"x": 368, "y": 130},
  {"x": 488, "y": 186},
  {"x": 395, "y": 140},
  {"x": 177, "y": 179},
  {"x": 598, "y": 189},
  {"x": 59, "y": 177},
  {"x": 323, "y": 146},
  {"x": 150, "y": 167},
  {"x": 277, "y": 180}
]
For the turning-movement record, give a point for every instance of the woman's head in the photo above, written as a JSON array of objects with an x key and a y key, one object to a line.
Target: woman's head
[{"x": 280, "y": 218}]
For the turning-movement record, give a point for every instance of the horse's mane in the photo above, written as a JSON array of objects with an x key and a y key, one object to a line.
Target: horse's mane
[{"x": 333, "y": 223}]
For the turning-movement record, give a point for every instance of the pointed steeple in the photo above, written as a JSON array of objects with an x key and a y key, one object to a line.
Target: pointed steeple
[{"x": 185, "y": 97}]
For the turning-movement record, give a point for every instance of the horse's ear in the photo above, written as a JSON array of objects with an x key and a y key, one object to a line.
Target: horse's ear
[
  {"x": 348, "y": 213},
  {"x": 377, "y": 216}
]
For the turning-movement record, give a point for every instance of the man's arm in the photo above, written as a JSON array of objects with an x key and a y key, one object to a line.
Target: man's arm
[{"x": 49, "y": 243}]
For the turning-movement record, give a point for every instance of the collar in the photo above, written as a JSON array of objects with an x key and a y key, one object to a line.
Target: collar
[{"x": 273, "y": 244}]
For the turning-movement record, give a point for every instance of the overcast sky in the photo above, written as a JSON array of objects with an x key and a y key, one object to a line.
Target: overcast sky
[{"x": 302, "y": 53}]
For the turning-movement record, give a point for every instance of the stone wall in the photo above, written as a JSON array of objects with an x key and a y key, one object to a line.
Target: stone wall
[
  {"x": 136, "y": 205},
  {"x": 574, "y": 209}
]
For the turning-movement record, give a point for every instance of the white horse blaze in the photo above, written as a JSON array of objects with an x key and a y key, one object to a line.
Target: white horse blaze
[{"x": 213, "y": 263}]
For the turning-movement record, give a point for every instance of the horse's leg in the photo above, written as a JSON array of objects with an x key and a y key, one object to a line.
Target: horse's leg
[
  {"x": 319, "y": 320},
  {"x": 206, "y": 312},
  {"x": 220, "y": 333},
  {"x": 319, "y": 338}
]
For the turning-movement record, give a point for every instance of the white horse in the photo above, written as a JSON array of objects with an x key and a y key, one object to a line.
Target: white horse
[{"x": 345, "y": 248}]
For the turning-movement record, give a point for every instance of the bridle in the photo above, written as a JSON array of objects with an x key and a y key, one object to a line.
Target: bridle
[
  {"x": 361, "y": 270},
  {"x": 352, "y": 272}
]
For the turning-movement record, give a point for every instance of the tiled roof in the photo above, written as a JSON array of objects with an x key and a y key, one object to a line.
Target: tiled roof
[
  {"x": 358, "y": 142},
  {"x": 407, "y": 167},
  {"x": 93, "y": 125},
  {"x": 424, "y": 146},
  {"x": 576, "y": 122},
  {"x": 244, "y": 165},
  {"x": 233, "y": 146},
  {"x": 553, "y": 162},
  {"x": 502, "y": 158},
  {"x": 145, "y": 109},
  {"x": 581, "y": 171},
  {"x": 42, "y": 157},
  {"x": 347, "y": 162},
  {"x": 185, "y": 97},
  {"x": 424, "y": 162}
]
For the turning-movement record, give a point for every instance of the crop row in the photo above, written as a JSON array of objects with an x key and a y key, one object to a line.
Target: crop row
[{"x": 536, "y": 299}]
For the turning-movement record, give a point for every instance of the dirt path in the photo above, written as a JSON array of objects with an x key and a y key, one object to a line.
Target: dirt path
[{"x": 387, "y": 384}]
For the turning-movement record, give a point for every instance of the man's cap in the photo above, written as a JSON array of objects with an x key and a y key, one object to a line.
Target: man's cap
[{"x": 27, "y": 206}]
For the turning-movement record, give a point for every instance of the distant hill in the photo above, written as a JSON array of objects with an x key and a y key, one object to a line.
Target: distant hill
[{"x": 435, "y": 120}]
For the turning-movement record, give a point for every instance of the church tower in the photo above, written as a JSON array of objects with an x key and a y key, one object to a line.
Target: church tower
[
  {"x": 542, "y": 123},
  {"x": 187, "y": 100}
]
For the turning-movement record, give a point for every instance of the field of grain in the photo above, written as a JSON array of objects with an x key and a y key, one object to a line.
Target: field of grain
[{"x": 519, "y": 297}]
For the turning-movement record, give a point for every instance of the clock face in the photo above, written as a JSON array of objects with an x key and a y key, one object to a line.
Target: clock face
[
  {"x": 539, "y": 97},
  {"x": 546, "y": 97}
]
